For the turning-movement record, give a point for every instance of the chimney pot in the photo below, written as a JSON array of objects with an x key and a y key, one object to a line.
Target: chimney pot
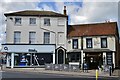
[{"x": 65, "y": 10}]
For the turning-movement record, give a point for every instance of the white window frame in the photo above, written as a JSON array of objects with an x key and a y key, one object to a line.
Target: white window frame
[
  {"x": 18, "y": 21},
  {"x": 32, "y": 21},
  {"x": 47, "y": 22},
  {"x": 17, "y": 37},
  {"x": 46, "y": 38},
  {"x": 32, "y": 36}
]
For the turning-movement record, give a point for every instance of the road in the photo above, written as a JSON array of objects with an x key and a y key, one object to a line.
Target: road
[{"x": 14, "y": 75}]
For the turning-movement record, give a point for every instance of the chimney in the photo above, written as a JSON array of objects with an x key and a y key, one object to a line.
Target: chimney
[{"x": 65, "y": 10}]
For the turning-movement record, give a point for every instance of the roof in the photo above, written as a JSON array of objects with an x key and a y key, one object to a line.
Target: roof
[
  {"x": 35, "y": 13},
  {"x": 96, "y": 29}
]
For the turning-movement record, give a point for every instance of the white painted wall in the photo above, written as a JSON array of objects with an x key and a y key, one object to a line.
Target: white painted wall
[
  {"x": 25, "y": 28},
  {"x": 96, "y": 42}
]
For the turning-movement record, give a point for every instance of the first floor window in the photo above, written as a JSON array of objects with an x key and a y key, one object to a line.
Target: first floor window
[
  {"x": 89, "y": 42},
  {"x": 103, "y": 42},
  {"x": 32, "y": 37},
  {"x": 17, "y": 36},
  {"x": 75, "y": 43},
  {"x": 46, "y": 37}
]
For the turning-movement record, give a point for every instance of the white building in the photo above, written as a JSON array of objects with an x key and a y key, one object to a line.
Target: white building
[
  {"x": 33, "y": 36},
  {"x": 94, "y": 44}
]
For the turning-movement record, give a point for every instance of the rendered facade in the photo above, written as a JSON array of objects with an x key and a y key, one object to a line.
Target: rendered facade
[{"x": 35, "y": 38}]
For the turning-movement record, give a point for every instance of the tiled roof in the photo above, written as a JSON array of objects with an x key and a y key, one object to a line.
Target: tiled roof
[
  {"x": 108, "y": 28},
  {"x": 35, "y": 13}
]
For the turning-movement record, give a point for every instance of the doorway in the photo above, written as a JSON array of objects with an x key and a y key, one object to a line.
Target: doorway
[
  {"x": 94, "y": 60},
  {"x": 60, "y": 56}
]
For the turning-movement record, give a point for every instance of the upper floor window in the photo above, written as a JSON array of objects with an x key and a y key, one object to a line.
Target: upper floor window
[
  {"x": 47, "y": 22},
  {"x": 18, "y": 21},
  {"x": 60, "y": 22},
  {"x": 89, "y": 42},
  {"x": 46, "y": 37},
  {"x": 103, "y": 42},
  {"x": 75, "y": 43},
  {"x": 32, "y": 37},
  {"x": 17, "y": 36},
  {"x": 32, "y": 21}
]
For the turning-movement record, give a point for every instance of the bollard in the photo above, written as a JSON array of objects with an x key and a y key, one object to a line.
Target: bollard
[
  {"x": 110, "y": 71},
  {"x": 96, "y": 74}
]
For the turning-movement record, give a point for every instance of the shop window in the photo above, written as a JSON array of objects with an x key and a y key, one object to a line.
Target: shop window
[{"x": 74, "y": 57}]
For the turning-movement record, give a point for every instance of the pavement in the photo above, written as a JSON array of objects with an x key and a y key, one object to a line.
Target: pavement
[{"x": 90, "y": 73}]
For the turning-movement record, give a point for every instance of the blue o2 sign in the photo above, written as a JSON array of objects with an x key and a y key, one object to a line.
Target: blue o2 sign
[
  {"x": 32, "y": 50},
  {"x": 6, "y": 48}
]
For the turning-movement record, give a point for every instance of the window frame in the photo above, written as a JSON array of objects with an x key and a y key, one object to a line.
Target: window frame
[
  {"x": 73, "y": 44},
  {"x": 32, "y": 19},
  {"x": 46, "y": 38},
  {"x": 47, "y": 22},
  {"x": 102, "y": 43},
  {"x": 19, "y": 21},
  {"x": 16, "y": 38},
  {"x": 89, "y": 39},
  {"x": 31, "y": 39}
]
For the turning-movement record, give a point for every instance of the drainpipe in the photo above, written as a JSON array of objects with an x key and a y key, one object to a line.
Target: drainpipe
[
  {"x": 82, "y": 57},
  {"x": 50, "y": 31}
]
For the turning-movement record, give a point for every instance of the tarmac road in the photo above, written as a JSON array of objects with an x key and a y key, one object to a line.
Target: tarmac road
[{"x": 14, "y": 75}]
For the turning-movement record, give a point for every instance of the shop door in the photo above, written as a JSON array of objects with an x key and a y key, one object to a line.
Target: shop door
[{"x": 94, "y": 60}]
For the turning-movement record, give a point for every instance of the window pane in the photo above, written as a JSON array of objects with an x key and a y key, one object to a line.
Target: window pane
[
  {"x": 75, "y": 43},
  {"x": 46, "y": 37},
  {"x": 89, "y": 42},
  {"x": 47, "y": 22},
  {"x": 17, "y": 37},
  {"x": 32, "y": 37},
  {"x": 103, "y": 42},
  {"x": 32, "y": 20},
  {"x": 17, "y": 20}
]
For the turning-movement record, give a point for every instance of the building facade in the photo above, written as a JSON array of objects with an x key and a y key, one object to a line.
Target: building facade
[
  {"x": 94, "y": 44},
  {"x": 33, "y": 36}
]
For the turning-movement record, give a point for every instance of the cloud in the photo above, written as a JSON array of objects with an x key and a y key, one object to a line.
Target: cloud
[{"x": 11, "y": 6}]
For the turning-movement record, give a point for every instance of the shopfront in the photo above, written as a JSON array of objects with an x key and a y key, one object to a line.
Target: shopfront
[{"x": 29, "y": 55}]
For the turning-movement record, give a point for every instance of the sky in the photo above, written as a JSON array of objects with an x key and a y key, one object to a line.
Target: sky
[{"x": 79, "y": 11}]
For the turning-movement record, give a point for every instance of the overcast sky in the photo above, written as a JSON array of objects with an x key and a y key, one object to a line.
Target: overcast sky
[{"x": 79, "y": 11}]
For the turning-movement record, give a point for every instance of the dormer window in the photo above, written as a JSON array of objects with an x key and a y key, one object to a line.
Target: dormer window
[
  {"x": 18, "y": 21},
  {"x": 47, "y": 22}
]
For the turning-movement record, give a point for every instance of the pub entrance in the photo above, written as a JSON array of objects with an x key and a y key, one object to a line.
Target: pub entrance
[{"x": 94, "y": 60}]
